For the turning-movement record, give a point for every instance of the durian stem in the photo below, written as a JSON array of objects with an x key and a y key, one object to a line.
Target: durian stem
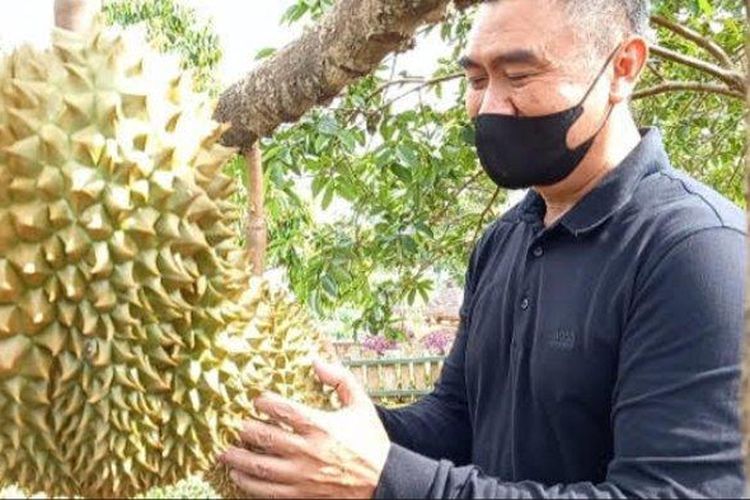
[
  {"x": 256, "y": 218},
  {"x": 76, "y": 15}
]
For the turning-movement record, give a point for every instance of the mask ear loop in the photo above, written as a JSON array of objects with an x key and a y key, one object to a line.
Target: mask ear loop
[
  {"x": 599, "y": 75},
  {"x": 610, "y": 107}
]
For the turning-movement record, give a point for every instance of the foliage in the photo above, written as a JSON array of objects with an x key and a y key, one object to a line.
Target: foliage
[
  {"x": 405, "y": 183},
  {"x": 704, "y": 132},
  {"x": 402, "y": 189},
  {"x": 192, "y": 487},
  {"x": 173, "y": 27}
]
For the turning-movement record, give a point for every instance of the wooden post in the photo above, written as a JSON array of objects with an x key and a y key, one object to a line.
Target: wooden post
[{"x": 257, "y": 237}]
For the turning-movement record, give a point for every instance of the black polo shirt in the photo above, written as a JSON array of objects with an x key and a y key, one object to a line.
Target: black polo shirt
[{"x": 598, "y": 357}]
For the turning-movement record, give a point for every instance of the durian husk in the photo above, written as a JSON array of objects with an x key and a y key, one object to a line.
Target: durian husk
[{"x": 132, "y": 338}]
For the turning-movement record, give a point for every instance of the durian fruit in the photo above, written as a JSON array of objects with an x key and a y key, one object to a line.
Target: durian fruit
[{"x": 131, "y": 337}]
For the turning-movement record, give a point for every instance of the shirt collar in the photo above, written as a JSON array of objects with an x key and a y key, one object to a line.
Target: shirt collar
[{"x": 611, "y": 193}]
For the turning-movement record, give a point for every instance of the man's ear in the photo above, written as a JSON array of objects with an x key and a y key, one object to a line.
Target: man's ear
[{"x": 629, "y": 64}]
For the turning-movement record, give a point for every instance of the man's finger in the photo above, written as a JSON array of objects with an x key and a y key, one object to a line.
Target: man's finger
[
  {"x": 342, "y": 380},
  {"x": 263, "y": 467},
  {"x": 257, "y": 488},
  {"x": 270, "y": 439},
  {"x": 297, "y": 416}
]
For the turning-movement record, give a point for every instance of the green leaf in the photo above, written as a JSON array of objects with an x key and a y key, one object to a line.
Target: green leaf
[
  {"x": 409, "y": 244},
  {"x": 468, "y": 135},
  {"x": 705, "y": 7},
  {"x": 265, "y": 53},
  {"x": 424, "y": 228},
  {"x": 348, "y": 139},
  {"x": 407, "y": 156},
  {"x": 328, "y": 126},
  {"x": 346, "y": 189},
  {"x": 401, "y": 172},
  {"x": 425, "y": 296},
  {"x": 329, "y": 285},
  {"x": 327, "y": 196},
  {"x": 318, "y": 183},
  {"x": 321, "y": 142},
  {"x": 294, "y": 13},
  {"x": 383, "y": 157}
]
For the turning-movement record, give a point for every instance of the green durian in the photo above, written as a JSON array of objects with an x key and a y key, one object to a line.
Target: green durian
[{"x": 132, "y": 338}]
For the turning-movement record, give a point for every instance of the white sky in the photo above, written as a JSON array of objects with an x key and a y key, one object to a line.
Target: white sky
[{"x": 243, "y": 26}]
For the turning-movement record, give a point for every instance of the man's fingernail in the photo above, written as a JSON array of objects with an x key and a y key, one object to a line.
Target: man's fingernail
[{"x": 234, "y": 475}]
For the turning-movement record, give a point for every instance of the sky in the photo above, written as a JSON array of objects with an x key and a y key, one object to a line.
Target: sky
[{"x": 244, "y": 27}]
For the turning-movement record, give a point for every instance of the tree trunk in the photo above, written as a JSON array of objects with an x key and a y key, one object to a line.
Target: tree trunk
[
  {"x": 256, "y": 217},
  {"x": 76, "y": 15},
  {"x": 348, "y": 43}
]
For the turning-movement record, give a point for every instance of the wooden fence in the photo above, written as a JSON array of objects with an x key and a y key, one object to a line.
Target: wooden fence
[{"x": 398, "y": 379}]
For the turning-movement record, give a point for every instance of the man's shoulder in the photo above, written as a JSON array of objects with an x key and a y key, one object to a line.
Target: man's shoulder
[
  {"x": 675, "y": 204},
  {"x": 669, "y": 210}
]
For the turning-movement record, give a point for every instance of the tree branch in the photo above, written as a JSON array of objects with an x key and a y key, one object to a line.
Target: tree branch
[
  {"x": 349, "y": 43},
  {"x": 393, "y": 82},
  {"x": 704, "y": 42},
  {"x": 425, "y": 83},
  {"x": 480, "y": 224},
  {"x": 656, "y": 71},
  {"x": 439, "y": 215},
  {"x": 257, "y": 235},
  {"x": 732, "y": 78},
  {"x": 674, "y": 86}
]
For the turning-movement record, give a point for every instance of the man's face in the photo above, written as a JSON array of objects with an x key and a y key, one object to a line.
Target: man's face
[{"x": 525, "y": 59}]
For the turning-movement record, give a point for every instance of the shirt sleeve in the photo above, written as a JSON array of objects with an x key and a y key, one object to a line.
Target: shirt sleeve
[
  {"x": 675, "y": 411},
  {"x": 438, "y": 424}
]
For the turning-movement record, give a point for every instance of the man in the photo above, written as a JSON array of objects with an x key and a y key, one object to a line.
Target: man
[{"x": 598, "y": 352}]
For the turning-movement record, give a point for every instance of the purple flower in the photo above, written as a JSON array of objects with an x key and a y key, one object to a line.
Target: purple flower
[
  {"x": 438, "y": 341},
  {"x": 378, "y": 344}
]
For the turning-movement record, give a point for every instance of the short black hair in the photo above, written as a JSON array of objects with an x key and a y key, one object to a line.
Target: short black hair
[{"x": 631, "y": 15}]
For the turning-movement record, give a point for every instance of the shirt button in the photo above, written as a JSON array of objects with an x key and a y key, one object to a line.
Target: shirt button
[
  {"x": 525, "y": 303},
  {"x": 538, "y": 252}
]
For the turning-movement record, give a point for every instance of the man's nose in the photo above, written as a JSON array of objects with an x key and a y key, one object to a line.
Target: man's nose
[{"x": 496, "y": 100}]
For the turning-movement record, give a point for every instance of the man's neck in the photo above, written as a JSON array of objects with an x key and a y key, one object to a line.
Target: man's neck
[{"x": 611, "y": 147}]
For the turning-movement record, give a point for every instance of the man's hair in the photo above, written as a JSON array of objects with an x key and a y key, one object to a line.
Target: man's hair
[{"x": 603, "y": 22}]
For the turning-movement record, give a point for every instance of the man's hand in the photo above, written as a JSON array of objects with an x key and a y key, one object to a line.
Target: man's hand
[{"x": 329, "y": 454}]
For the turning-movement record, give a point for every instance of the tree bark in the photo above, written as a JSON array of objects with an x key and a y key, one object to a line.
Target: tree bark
[
  {"x": 256, "y": 218},
  {"x": 76, "y": 15},
  {"x": 348, "y": 43}
]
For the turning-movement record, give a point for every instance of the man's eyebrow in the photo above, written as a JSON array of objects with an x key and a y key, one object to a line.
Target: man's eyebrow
[
  {"x": 466, "y": 62},
  {"x": 516, "y": 56}
]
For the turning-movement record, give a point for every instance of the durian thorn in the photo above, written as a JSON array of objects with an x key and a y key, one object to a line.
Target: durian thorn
[
  {"x": 25, "y": 92},
  {"x": 78, "y": 76}
]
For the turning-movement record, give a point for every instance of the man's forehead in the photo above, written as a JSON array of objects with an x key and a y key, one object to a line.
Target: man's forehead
[{"x": 516, "y": 31}]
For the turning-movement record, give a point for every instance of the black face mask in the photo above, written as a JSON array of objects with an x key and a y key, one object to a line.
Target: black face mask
[{"x": 524, "y": 151}]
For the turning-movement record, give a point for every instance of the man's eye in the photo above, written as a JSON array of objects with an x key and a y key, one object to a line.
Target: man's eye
[
  {"x": 522, "y": 77},
  {"x": 478, "y": 82},
  {"x": 517, "y": 78}
]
